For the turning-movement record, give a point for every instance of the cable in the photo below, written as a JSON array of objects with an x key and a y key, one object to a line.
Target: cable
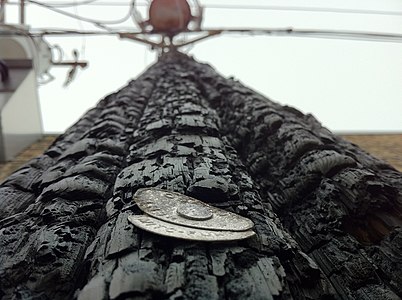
[
  {"x": 75, "y": 3},
  {"x": 99, "y": 23},
  {"x": 305, "y": 9},
  {"x": 315, "y": 33},
  {"x": 83, "y": 40},
  {"x": 85, "y": 2},
  {"x": 242, "y": 7},
  {"x": 327, "y": 34},
  {"x": 59, "y": 51},
  {"x": 137, "y": 17}
]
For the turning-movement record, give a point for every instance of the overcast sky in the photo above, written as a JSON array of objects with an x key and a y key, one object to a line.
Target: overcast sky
[{"x": 350, "y": 86}]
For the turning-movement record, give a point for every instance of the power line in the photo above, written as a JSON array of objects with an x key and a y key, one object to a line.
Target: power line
[
  {"x": 99, "y": 23},
  {"x": 322, "y": 33},
  {"x": 351, "y": 35},
  {"x": 306, "y": 9},
  {"x": 83, "y": 40},
  {"x": 241, "y": 7},
  {"x": 81, "y": 3},
  {"x": 75, "y": 3},
  {"x": 312, "y": 33}
]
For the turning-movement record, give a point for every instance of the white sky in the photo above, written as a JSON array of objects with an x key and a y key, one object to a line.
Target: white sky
[{"x": 350, "y": 86}]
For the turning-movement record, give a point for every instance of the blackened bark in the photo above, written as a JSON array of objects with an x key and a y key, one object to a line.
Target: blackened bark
[
  {"x": 52, "y": 208},
  {"x": 341, "y": 205},
  {"x": 327, "y": 215}
]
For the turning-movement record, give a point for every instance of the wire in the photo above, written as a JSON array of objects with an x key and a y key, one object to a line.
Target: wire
[
  {"x": 321, "y": 33},
  {"x": 242, "y": 7},
  {"x": 75, "y": 3},
  {"x": 305, "y": 9},
  {"x": 60, "y": 53},
  {"x": 85, "y": 2},
  {"x": 314, "y": 33},
  {"x": 98, "y": 23},
  {"x": 83, "y": 40}
]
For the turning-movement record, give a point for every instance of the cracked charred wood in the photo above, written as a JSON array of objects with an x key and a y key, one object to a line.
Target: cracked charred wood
[
  {"x": 327, "y": 215},
  {"x": 341, "y": 205},
  {"x": 178, "y": 146},
  {"x": 52, "y": 207}
]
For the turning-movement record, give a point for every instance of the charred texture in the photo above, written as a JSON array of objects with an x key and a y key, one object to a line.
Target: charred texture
[
  {"x": 52, "y": 207},
  {"x": 327, "y": 215},
  {"x": 341, "y": 205}
]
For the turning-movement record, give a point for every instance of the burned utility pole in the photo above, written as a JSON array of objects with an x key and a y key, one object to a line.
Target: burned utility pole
[{"x": 327, "y": 216}]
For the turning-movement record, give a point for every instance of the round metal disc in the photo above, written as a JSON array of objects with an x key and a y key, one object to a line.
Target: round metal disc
[
  {"x": 160, "y": 227},
  {"x": 181, "y": 209},
  {"x": 194, "y": 211}
]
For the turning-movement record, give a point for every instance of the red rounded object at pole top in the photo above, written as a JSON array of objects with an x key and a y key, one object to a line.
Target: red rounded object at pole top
[{"x": 169, "y": 16}]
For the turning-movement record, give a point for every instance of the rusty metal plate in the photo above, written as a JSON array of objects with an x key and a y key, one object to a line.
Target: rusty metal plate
[
  {"x": 160, "y": 227},
  {"x": 186, "y": 211}
]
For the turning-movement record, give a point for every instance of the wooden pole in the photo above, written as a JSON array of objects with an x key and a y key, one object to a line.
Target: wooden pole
[{"x": 326, "y": 214}]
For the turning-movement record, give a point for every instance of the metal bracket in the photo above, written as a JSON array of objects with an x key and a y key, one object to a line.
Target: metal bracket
[{"x": 176, "y": 215}]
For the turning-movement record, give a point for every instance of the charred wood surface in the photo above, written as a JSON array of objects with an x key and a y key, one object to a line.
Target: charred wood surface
[{"x": 327, "y": 214}]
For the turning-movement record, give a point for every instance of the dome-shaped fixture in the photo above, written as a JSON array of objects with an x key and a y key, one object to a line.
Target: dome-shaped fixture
[{"x": 169, "y": 16}]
